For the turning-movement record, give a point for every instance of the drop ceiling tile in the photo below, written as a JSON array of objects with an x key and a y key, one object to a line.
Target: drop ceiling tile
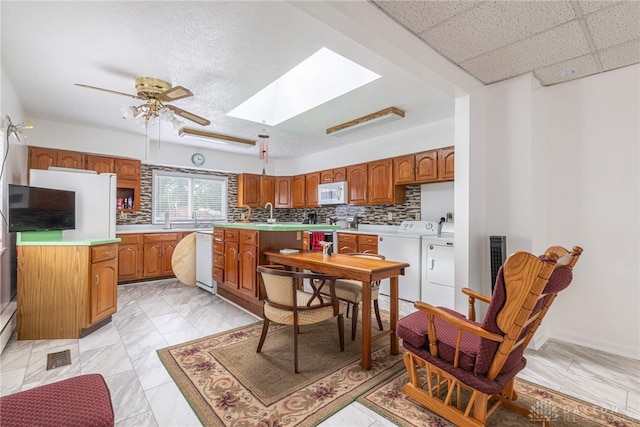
[
  {"x": 493, "y": 25},
  {"x": 615, "y": 25},
  {"x": 592, "y": 6},
  {"x": 540, "y": 50},
  {"x": 620, "y": 56},
  {"x": 583, "y": 66},
  {"x": 418, "y": 16}
]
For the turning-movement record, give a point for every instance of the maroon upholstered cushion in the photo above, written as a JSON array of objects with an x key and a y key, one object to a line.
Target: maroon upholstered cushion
[
  {"x": 79, "y": 401},
  {"x": 413, "y": 329}
]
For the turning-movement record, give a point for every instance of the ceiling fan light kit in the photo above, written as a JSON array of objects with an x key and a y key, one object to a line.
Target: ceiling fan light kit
[
  {"x": 156, "y": 92},
  {"x": 214, "y": 137},
  {"x": 386, "y": 115}
]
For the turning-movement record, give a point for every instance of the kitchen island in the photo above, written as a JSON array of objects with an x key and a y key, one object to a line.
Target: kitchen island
[{"x": 238, "y": 248}]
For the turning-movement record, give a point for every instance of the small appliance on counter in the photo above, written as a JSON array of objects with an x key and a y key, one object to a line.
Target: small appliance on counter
[{"x": 310, "y": 218}]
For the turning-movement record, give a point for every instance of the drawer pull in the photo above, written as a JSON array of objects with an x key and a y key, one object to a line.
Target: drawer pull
[{"x": 107, "y": 253}]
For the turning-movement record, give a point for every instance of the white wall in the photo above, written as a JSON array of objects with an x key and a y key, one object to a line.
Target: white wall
[
  {"x": 592, "y": 189},
  {"x": 13, "y": 173},
  {"x": 562, "y": 169}
]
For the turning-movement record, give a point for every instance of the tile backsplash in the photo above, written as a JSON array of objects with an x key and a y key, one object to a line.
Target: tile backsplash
[{"x": 372, "y": 214}]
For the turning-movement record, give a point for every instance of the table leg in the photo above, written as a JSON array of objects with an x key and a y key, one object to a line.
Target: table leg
[
  {"x": 394, "y": 309},
  {"x": 366, "y": 326}
]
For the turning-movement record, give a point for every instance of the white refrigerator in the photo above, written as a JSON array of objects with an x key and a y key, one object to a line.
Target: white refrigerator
[{"x": 95, "y": 199}]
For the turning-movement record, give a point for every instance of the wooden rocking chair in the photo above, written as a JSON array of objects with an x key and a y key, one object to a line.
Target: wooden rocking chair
[{"x": 448, "y": 353}]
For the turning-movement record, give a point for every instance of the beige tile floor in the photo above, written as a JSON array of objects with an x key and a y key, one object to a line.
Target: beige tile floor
[{"x": 153, "y": 315}]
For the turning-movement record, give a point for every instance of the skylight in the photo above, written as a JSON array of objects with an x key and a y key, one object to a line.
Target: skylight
[{"x": 323, "y": 76}]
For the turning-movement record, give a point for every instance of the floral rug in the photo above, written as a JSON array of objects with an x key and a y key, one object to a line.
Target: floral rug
[
  {"x": 228, "y": 384},
  {"x": 561, "y": 410}
]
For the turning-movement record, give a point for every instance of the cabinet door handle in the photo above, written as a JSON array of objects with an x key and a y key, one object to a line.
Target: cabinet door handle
[{"x": 96, "y": 279}]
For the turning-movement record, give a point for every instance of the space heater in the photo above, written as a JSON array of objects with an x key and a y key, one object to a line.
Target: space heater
[{"x": 498, "y": 254}]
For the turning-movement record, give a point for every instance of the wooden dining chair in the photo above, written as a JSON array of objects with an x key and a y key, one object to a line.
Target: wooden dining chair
[
  {"x": 448, "y": 354},
  {"x": 287, "y": 305},
  {"x": 350, "y": 291}
]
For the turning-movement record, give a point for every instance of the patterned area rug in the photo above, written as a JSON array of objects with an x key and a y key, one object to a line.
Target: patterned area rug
[
  {"x": 228, "y": 384},
  {"x": 561, "y": 410}
]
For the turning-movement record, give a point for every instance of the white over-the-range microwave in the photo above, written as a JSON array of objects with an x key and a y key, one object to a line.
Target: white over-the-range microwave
[{"x": 333, "y": 193}]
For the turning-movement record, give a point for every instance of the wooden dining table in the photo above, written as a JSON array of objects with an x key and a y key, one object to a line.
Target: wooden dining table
[{"x": 365, "y": 270}]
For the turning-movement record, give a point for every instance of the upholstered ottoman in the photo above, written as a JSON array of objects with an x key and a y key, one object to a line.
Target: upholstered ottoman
[{"x": 79, "y": 401}]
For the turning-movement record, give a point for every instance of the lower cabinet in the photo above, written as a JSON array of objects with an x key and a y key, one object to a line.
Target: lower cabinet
[
  {"x": 157, "y": 252},
  {"x": 243, "y": 252},
  {"x": 69, "y": 302},
  {"x": 146, "y": 255},
  {"x": 129, "y": 257},
  {"x": 349, "y": 243}
]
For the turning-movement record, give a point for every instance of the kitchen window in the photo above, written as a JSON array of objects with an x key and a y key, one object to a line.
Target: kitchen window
[{"x": 184, "y": 195}]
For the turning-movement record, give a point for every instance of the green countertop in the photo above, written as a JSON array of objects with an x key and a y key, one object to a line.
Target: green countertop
[
  {"x": 54, "y": 238},
  {"x": 278, "y": 226}
]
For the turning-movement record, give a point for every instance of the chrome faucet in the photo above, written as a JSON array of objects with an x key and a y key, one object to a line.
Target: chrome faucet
[{"x": 271, "y": 220}]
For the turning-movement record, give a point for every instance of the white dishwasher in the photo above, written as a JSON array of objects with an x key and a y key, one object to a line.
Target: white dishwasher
[{"x": 204, "y": 261}]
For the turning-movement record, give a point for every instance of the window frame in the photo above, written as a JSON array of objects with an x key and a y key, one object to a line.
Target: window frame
[{"x": 191, "y": 176}]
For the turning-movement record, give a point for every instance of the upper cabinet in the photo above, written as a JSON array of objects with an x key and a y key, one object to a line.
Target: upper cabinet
[
  {"x": 312, "y": 180},
  {"x": 298, "y": 191},
  {"x": 42, "y": 158},
  {"x": 357, "y": 179},
  {"x": 333, "y": 175},
  {"x": 372, "y": 184},
  {"x": 446, "y": 164},
  {"x": 127, "y": 170},
  {"x": 283, "y": 192},
  {"x": 380, "y": 182},
  {"x": 256, "y": 190},
  {"x": 428, "y": 166}
]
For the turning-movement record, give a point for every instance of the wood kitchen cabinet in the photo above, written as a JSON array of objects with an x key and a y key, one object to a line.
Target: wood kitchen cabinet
[
  {"x": 349, "y": 243},
  {"x": 311, "y": 181},
  {"x": 283, "y": 192},
  {"x": 243, "y": 252},
  {"x": 70, "y": 302},
  {"x": 157, "y": 252},
  {"x": 357, "y": 179},
  {"x": 372, "y": 183},
  {"x": 241, "y": 260},
  {"x": 231, "y": 274},
  {"x": 298, "y": 183},
  {"x": 382, "y": 189},
  {"x": 247, "y": 263},
  {"x": 416, "y": 168},
  {"x": 218, "y": 255},
  {"x": 42, "y": 158},
  {"x": 104, "y": 280},
  {"x": 333, "y": 175},
  {"x": 446, "y": 164},
  {"x": 130, "y": 257},
  {"x": 255, "y": 190}
]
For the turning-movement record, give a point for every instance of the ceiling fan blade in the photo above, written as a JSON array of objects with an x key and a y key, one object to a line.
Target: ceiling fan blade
[
  {"x": 110, "y": 91},
  {"x": 189, "y": 116},
  {"x": 174, "y": 93}
]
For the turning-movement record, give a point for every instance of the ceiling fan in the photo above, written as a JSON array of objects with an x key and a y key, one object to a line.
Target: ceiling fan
[{"x": 156, "y": 93}]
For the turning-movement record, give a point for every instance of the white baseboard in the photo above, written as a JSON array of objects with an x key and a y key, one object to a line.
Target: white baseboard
[{"x": 543, "y": 334}]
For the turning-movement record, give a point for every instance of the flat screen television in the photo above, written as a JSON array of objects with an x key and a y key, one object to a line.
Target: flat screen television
[{"x": 41, "y": 209}]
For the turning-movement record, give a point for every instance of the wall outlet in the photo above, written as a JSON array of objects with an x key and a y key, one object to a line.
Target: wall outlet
[
  {"x": 243, "y": 216},
  {"x": 389, "y": 216},
  {"x": 417, "y": 216}
]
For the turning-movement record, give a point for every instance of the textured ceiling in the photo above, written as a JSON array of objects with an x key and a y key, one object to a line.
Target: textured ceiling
[
  {"x": 225, "y": 51},
  {"x": 557, "y": 41}
]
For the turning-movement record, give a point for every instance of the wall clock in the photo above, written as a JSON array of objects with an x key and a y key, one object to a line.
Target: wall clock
[{"x": 197, "y": 159}]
